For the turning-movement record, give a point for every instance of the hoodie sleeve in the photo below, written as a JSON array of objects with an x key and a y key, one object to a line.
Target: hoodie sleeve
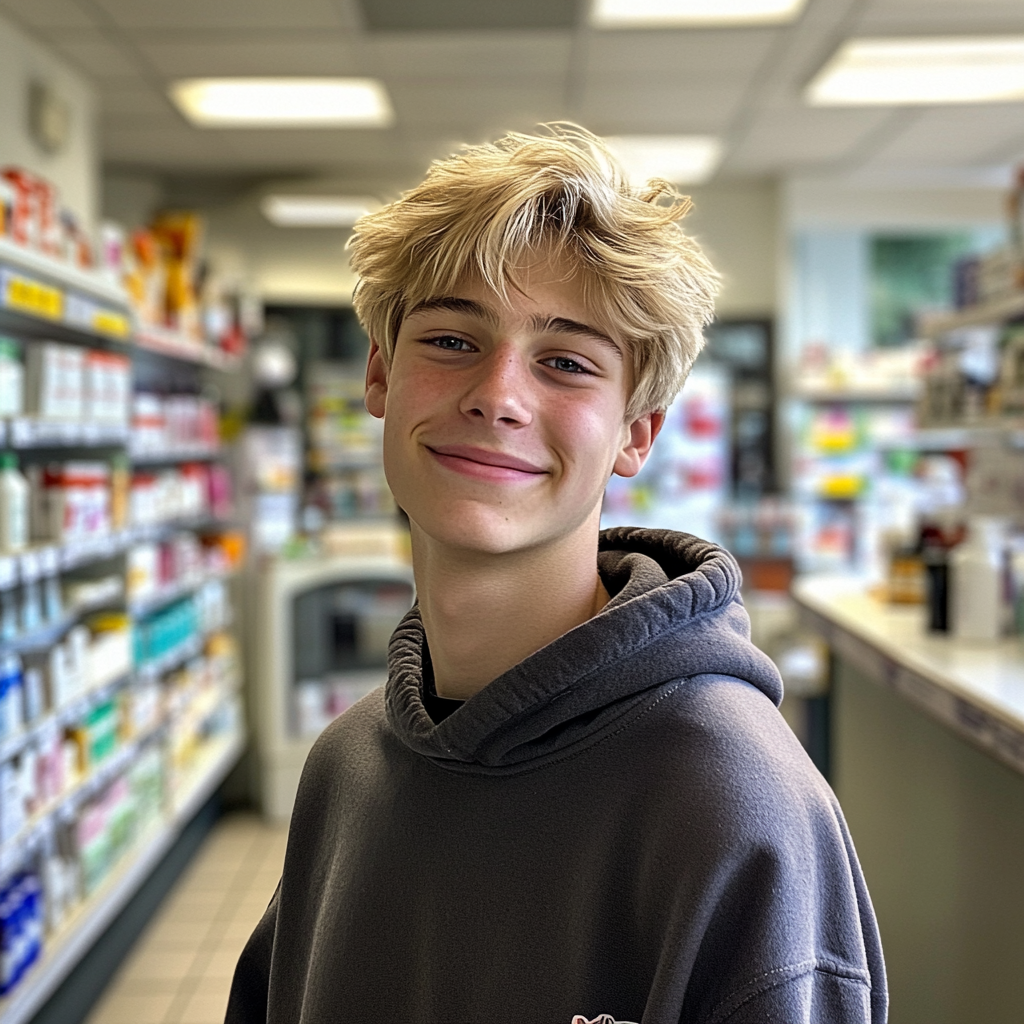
[
  {"x": 803, "y": 994},
  {"x": 247, "y": 1003}
]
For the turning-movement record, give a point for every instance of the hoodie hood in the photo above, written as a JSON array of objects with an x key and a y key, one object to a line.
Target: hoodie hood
[{"x": 675, "y": 612}]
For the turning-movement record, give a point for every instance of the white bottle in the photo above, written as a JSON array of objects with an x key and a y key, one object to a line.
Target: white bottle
[
  {"x": 13, "y": 505},
  {"x": 976, "y": 581}
]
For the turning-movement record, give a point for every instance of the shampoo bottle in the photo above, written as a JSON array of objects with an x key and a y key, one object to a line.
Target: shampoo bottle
[
  {"x": 977, "y": 582},
  {"x": 13, "y": 505}
]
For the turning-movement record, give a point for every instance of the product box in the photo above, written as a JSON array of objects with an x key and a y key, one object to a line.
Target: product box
[
  {"x": 12, "y": 378},
  {"x": 71, "y": 502},
  {"x": 55, "y": 381},
  {"x": 107, "y": 387}
]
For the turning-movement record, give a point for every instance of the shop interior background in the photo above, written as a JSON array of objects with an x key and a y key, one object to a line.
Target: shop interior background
[{"x": 201, "y": 562}]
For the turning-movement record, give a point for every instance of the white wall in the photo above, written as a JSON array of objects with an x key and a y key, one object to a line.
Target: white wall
[
  {"x": 75, "y": 169},
  {"x": 737, "y": 223},
  {"x": 832, "y": 202}
]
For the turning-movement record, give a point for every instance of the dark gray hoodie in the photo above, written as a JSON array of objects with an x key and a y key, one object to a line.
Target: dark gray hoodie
[{"x": 621, "y": 824}]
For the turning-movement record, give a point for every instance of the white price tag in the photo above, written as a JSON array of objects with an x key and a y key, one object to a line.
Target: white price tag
[
  {"x": 30, "y": 566},
  {"x": 21, "y": 433},
  {"x": 49, "y": 561},
  {"x": 8, "y": 571}
]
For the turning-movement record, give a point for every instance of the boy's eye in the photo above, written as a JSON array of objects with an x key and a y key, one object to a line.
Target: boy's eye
[
  {"x": 566, "y": 365},
  {"x": 450, "y": 343}
]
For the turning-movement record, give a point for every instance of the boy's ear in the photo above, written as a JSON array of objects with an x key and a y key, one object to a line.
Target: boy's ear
[
  {"x": 375, "y": 398},
  {"x": 640, "y": 435}
]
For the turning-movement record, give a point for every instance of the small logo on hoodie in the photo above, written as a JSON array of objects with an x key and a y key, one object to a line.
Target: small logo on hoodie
[{"x": 602, "y": 1018}]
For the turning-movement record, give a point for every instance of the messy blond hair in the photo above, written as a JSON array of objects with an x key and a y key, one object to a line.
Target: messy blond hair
[{"x": 494, "y": 209}]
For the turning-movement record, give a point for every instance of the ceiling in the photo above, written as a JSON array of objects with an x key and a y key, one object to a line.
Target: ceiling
[{"x": 465, "y": 70}]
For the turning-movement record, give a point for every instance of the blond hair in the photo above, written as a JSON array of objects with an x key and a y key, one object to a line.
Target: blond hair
[{"x": 493, "y": 209}]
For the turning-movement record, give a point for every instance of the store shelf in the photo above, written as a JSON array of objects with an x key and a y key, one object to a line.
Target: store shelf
[
  {"x": 45, "y": 290},
  {"x": 17, "y": 849},
  {"x": 73, "y": 710},
  {"x": 157, "y": 531},
  {"x": 142, "y": 607},
  {"x": 814, "y": 391},
  {"x": 45, "y": 635},
  {"x": 60, "y": 273},
  {"x": 974, "y": 316},
  {"x": 203, "y": 453},
  {"x": 65, "y": 949},
  {"x": 25, "y": 432},
  {"x": 169, "y": 343}
]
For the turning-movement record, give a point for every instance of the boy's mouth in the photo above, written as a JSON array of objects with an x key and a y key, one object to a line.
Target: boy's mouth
[{"x": 482, "y": 462}]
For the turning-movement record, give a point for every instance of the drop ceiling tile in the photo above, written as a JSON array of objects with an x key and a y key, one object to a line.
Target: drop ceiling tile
[
  {"x": 710, "y": 54},
  {"x": 324, "y": 54},
  {"x": 464, "y": 55},
  {"x": 665, "y": 110},
  {"x": 226, "y": 14},
  {"x": 92, "y": 52},
  {"x": 486, "y": 107},
  {"x": 934, "y": 17},
  {"x": 780, "y": 140},
  {"x": 136, "y": 99},
  {"x": 960, "y": 135},
  {"x": 315, "y": 147},
  {"x": 427, "y": 15},
  {"x": 163, "y": 149},
  {"x": 43, "y": 14}
]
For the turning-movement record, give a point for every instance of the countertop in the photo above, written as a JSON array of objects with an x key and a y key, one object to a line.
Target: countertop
[{"x": 977, "y": 690}]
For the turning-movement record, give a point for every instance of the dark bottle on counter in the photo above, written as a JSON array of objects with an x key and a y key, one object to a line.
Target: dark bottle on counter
[{"x": 936, "y": 568}]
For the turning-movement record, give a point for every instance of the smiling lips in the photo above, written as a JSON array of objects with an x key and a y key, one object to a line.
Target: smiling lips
[{"x": 484, "y": 464}]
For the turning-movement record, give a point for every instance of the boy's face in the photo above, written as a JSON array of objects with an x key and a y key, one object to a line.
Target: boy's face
[{"x": 505, "y": 420}]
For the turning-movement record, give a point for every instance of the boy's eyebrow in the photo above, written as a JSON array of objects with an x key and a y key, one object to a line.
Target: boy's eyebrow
[
  {"x": 453, "y": 304},
  {"x": 563, "y": 325},
  {"x": 540, "y": 324}
]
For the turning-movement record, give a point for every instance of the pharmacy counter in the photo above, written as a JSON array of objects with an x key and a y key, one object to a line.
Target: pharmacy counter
[{"x": 927, "y": 758}]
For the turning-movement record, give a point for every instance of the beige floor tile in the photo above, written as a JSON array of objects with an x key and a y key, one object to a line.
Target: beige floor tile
[
  {"x": 121, "y": 1008},
  {"x": 175, "y": 933},
  {"x": 160, "y": 964},
  {"x": 207, "y": 1002},
  {"x": 237, "y": 931},
  {"x": 186, "y": 905},
  {"x": 221, "y": 962},
  {"x": 181, "y": 968},
  {"x": 129, "y": 985}
]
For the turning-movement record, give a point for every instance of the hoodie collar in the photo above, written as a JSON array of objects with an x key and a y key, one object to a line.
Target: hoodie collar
[{"x": 674, "y": 612}]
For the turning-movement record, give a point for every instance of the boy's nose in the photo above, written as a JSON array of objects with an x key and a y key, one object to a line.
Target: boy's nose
[{"x": 499, "y": 394}]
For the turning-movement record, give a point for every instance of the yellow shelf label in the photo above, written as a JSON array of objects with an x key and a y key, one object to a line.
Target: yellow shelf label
[
  {"x": 29, "y": 296},
  {"x": 108, "y": 322}
]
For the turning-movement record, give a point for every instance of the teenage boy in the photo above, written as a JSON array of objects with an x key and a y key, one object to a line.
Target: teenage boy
[{"x": 575, "y": 798}]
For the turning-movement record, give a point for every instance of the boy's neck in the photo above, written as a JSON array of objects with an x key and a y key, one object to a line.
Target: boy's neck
[{"x": 482, "y": 614}]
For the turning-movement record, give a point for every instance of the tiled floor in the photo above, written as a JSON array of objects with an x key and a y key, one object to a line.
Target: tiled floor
[{"x": 180, "y": 970}]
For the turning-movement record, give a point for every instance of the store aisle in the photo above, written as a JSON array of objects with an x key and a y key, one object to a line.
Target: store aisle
[{"x": 180, "y": 970}]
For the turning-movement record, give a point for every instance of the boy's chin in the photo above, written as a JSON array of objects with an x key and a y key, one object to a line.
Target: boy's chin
[{"x": 483, "y": 531}]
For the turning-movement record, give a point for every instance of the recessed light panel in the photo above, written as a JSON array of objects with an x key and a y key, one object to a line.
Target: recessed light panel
[
  {"x": 316, "y": 211},
  {"x": 873, "y": 72},
  {"x": 283, "y": 102},
  {"x": 681, "y": 159},
  {"x": 668, "y": 13}
]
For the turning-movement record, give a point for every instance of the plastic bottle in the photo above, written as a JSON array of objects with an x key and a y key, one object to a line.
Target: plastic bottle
[
  {"x": 13, "y": 505},
  {"x": 977, "y": 582}
]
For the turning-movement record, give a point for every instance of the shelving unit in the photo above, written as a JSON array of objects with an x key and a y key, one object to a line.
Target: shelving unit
[
  {"x": 40, "y": 297},
  {"x": 973, "y": 316},
  {"x": 43, "y": 292},
  {"x": 94, "y": 915}
]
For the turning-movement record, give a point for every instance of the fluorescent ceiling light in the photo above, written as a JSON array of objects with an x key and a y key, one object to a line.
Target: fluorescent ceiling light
[
  {"x": 283, "y": 102},
  {"x": 666, "y": 13},
  {"x": 681, "y": 159},
  {"x": 316, "y": 211},
  {"x": 964, "y": 69}
]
